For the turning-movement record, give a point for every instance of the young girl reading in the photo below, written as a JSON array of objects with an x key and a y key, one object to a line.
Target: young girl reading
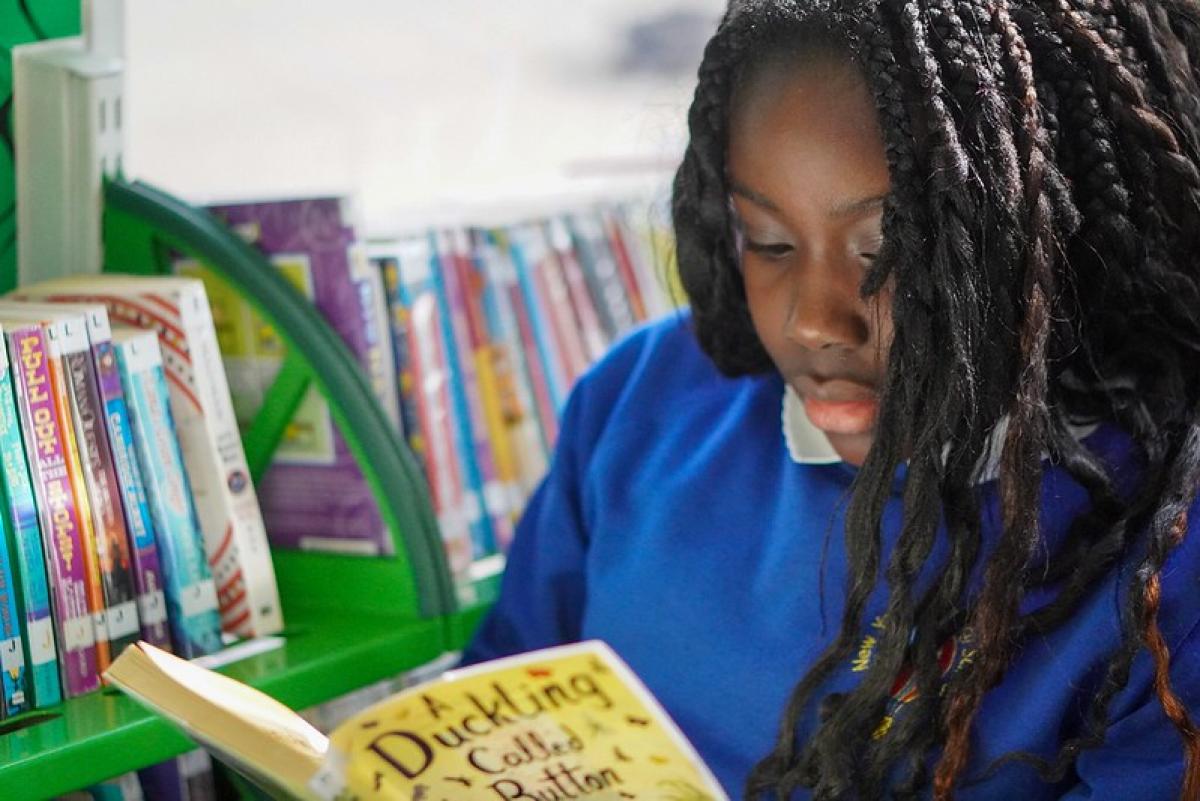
[{"x": 904, "y": 507}]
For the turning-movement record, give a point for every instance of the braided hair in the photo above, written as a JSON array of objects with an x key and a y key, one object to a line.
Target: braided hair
[{"x": 1040, "y": 237}]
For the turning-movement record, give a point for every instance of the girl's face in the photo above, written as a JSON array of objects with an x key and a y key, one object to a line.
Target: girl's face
[{"x": 808, "y": 177}]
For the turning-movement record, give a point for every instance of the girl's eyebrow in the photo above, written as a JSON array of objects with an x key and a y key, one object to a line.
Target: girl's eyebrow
[
  {"x": 850, "y": 208},
  {"x": 754, "y": 197},
  {"x": 856, "y": 208}
]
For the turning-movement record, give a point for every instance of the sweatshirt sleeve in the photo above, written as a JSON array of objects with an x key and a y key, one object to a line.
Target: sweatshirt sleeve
[
  {"x": 1141, "y": 758},
  {"x": 542, "y": 593}
]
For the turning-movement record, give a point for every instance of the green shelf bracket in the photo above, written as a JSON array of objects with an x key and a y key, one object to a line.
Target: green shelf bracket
[
  {"x": 279, "y": 404},
  {"x": 144, "y": 228}
]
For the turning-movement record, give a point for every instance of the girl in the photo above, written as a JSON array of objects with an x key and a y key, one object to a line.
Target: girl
[{"x": 952, "y": 245}]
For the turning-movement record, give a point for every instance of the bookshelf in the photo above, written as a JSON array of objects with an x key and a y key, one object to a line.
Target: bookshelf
[{"x": 350, "y": 621}]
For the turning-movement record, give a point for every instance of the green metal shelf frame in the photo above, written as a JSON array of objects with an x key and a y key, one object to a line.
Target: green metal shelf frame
[{"x": 350, "y": 620}]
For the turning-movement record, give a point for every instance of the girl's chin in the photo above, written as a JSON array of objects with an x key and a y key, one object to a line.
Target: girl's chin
[{"x": 851, "y": 448}]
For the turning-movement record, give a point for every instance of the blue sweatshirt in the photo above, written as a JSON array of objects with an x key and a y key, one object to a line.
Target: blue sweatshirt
[{"x": 675, "y": 526}]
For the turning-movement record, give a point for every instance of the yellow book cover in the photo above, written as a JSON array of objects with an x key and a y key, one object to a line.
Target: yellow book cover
[{"x": 571, "y": 722}]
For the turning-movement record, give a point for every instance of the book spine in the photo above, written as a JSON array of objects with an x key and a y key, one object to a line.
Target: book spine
[
  {"x": 378, "y": 359},
  {"x": 43, "y": 429},
  {"x": 398, "y": 321},
  {"x": 513, "y": 377},
  {"x": 188, "y": 585},
  {"x": 234, "y": 534},
  {"x": 539, "y": 378},
  {"x": 625, "y": 266},
  {"x": 230, "y": 517},
  {"x": 104, "y": 494},
  {"x": 431, "y": 380},
  {"x": 527, "y": 253},
  {"x": 563, "y": 319},
  {"x": 33, "y": 594},
  {"x": 147, "y": 564},
  {"x": 602, "y": 273},
  {"x": 594, "y": 341},
  {"x": 14, "y": 697},
  {"x": 501, "y": 406},
  {"x": 471, "y": 344},
  {"x": 60, "y": 381},
  {"x": 468, "y": 457}
]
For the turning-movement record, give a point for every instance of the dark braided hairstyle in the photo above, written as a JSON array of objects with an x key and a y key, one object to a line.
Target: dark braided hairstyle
[{"x": 1041, "y": 238}]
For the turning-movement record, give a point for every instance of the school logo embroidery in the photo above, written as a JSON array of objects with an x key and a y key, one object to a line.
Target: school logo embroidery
[{"x": 955, "y": 653}]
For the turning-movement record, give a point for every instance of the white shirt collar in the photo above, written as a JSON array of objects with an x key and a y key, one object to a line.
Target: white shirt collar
[{"x": 807, "y": 444}]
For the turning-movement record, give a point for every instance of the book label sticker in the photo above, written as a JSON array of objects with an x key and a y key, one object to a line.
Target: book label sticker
[
  {"x": 199, "y": 598},
  {"x": 122, "y": 620},
  {"x": 152, "y": 608},
  {"x": 11, "y": 658},
  {"x": 41, "y": 641},
  {"x": 79, "y": 633}
]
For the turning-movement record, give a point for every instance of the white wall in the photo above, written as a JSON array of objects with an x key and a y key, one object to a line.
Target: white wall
[{"x": 414, "y": 105}]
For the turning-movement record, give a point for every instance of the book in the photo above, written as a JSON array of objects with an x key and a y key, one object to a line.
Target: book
[
  {"x": 14, "y": 697},
  {"x": 96, "y": 469},
  {"x": 191, "y": 597},
  {"x": 24, "y": 536},
  {"x": 234, "y": 536},
  {"x": 187, "y": 777},
  {"x": 566, "y": 722},
  {"x": 314, "y": 495},
  {"x": 44, "y": 431},
  {"x": 125, "y": 478},
  {"x": 513, "y": 381},
  {"x": 431, "y": 378}
]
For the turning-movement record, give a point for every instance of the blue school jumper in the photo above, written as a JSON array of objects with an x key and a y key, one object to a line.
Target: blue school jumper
[{"x": 675, "y": 526}]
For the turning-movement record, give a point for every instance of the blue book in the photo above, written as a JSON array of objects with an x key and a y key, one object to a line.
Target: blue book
[
  {"x": 14, "y": 698},
  {"x": 188, "y": 585},
  {"x": 21, "y": 543},
  {"x": 529, "y": 247},
  {"x": 482, "y": 536}
]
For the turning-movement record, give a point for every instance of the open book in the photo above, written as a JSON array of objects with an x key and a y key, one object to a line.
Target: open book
[{"x": 561, "y": 723}]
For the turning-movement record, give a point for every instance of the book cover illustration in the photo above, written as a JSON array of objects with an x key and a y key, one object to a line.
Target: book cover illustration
[
  {"x": 314, "y": 495},
  {"x": 236, "y": 542},
  {"x": 61, "y": 533},
  {"x": 25, "y": 545},
  {"x": 190, "y": 594},
  {"x": 566, "y": 722}
]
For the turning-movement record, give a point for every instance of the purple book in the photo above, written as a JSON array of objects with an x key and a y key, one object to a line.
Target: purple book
[
  {"x": 313, "y": 495},
  {"x": 127, "y": 479},
  {"x": 64, "y": 551}
]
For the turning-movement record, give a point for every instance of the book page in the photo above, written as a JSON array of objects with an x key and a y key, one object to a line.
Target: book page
[{"x": 569, "y": 722}]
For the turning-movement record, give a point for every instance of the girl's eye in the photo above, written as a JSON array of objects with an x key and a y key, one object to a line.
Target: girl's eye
[
  {"x": 869, "y": 258},
  {"x": 772, "y": 250}
]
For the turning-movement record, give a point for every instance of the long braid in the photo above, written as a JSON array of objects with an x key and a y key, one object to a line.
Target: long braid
[{"x": 1021, "y": 463}]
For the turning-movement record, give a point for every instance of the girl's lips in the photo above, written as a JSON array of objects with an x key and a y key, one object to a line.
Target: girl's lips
[{"x": 842, "y": 417}]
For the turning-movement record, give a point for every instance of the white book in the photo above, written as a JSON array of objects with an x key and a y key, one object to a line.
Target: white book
[{"x": 234, "y": 535}]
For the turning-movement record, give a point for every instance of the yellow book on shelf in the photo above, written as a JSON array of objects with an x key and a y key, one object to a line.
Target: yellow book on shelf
[{"x": 565, "y": 722}]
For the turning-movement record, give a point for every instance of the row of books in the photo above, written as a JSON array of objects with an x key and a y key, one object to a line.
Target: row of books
[
  {"x": 490, "y": 328},
  {"x": 127, "y": 511},
  {"x": 187, "y": 777},
  {"x": 471, "y": 338}
]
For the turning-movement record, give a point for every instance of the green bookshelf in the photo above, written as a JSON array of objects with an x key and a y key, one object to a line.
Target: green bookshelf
[
  {"x": 89, "y": 739},
  {"x": 350, "y": 621}
]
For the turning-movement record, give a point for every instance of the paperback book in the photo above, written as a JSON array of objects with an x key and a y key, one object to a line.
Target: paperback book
[{"x": 566, "y": 722}]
